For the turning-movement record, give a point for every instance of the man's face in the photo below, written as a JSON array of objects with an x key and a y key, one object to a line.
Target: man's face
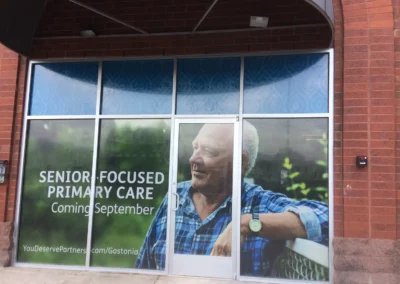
[{"x": 212, "y": 159}]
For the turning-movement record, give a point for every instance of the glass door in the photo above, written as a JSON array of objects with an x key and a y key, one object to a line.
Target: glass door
[{"x": 204, "y": 196}]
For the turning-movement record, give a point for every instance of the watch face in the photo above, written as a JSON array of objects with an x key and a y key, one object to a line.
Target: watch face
[{"x": 255, "y": 225}]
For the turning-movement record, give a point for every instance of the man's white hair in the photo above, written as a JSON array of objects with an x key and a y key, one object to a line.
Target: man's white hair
[{"x": 250, "y": 145}]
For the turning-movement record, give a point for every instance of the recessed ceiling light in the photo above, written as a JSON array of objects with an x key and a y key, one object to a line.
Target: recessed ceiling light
[
  {"x": 258, "y": 22},
  {"x": 88, "y": 33}
]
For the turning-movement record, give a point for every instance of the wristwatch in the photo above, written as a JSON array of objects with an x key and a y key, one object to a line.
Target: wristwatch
[{"x": 255, "y": 224}]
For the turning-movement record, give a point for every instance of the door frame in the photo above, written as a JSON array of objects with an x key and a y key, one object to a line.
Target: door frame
[{"x": 173, "y": 260}]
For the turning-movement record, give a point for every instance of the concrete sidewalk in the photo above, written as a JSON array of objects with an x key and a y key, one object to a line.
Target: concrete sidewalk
[{"x": 19, "y": 275}]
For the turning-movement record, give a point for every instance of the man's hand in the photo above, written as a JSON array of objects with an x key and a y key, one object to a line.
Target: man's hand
[{"x": 223, "y": 245}]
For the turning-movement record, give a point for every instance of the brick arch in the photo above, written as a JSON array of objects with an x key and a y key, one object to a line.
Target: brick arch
[{"x": 338, "y": 119}]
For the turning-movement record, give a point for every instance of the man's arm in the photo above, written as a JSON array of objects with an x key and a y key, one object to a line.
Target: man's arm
[
  {"x": 313, "y": 215},
  {"x": 282, "y": 218},
  {"x": 278, "y": 226}
]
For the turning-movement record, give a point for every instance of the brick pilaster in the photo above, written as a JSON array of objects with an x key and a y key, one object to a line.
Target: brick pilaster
[{"x": 9, "y": 110}]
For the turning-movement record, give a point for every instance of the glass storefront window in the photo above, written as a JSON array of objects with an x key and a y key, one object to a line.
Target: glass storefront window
[
  {"x": 56, "y": 192},
  {"x": 132, "y": 181},
  {"x": 286, "y": 84},
  {"x": 137, "y": 87},
  {"x": 284, "y": 165},
  {"x": 64, "y": 89},
  {"x": 208, "y": 86},
  {"x": 286, "y": 171}
]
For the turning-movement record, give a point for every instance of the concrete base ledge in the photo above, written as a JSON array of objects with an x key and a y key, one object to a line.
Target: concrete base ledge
[
  {"x": 366, "y": 261},
  {"x": 17, "y": 275}
]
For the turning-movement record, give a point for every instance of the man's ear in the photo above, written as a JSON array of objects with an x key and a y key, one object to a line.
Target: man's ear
[{"x": 245, "y": 163}]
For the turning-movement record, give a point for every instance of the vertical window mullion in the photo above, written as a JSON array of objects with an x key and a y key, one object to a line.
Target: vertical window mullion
[{"x": 94, "y": 166}]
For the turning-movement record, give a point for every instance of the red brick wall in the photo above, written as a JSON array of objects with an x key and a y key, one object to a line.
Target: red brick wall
[
  {"x": 365, "y": 249},
  {"x": 12, "y": 67},
  {"x": 396, "y": 15},
  {"x": 367, "y": 197},
  {"x": 63, "y": 18},
  {"x": 16, "y": 139},
  {"x": 8, "y": 85},
  {"x": 280, "y": 39}
]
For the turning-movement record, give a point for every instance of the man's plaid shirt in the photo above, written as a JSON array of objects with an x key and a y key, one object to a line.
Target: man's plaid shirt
[{"x": 193, "y": 236}]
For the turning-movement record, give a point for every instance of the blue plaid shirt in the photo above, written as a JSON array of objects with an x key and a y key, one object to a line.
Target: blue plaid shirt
[{"x": 193, "y": 236}]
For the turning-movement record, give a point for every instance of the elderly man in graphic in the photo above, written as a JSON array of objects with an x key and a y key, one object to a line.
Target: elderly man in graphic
[{"x": 203, "y": 219}]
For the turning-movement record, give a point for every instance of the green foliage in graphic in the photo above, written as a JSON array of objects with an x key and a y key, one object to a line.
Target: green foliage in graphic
[
  {"x": 299, "y": 188},
  {"x": 57, "y": 145}
]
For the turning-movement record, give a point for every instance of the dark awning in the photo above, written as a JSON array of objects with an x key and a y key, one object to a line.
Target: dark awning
[
  {"x": 19, "y": 19},
  {"x": 18, "y": 22}
]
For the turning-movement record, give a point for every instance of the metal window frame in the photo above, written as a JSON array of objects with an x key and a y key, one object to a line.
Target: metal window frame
[{"x": 173, "y": 116}]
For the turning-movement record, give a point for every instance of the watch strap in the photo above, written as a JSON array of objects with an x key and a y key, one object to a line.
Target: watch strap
[{"x": 255, "y": 216}]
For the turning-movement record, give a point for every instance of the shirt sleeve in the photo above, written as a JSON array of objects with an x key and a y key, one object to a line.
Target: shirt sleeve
[
  {"x": 145, "y": 259},
  {"x": 313, "y": 214}
]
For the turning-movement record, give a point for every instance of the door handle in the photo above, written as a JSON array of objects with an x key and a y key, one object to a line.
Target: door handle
[{"x": 177, "y": 201}]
